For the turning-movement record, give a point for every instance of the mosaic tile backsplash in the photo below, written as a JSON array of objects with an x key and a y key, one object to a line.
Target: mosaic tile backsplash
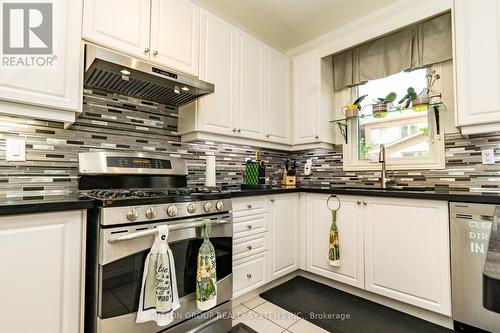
[{"x": 119, "y": 123}]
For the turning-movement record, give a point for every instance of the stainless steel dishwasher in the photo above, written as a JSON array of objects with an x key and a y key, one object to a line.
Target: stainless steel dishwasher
[{"x": 471, "y": 225}]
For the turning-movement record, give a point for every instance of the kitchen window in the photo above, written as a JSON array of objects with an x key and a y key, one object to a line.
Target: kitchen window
[{"x": 413, "y": 136}]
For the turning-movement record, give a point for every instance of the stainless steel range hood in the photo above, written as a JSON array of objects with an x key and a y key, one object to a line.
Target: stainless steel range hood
[{"x": 117, "y": 73}]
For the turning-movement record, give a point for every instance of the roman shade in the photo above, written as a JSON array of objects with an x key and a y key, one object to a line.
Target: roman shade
[{"x": 413, "y": 47}]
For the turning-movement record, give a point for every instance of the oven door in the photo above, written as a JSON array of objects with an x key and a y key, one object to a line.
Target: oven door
[{"x": 123, "y": 251}]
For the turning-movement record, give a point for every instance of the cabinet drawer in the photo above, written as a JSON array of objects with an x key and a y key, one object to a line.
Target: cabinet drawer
[
  {"x": 249, "y": 274},
  {"x": 250, "y": 225},
  {"x": 249, "y": 206},
  {"x": 248, "y": 246}
]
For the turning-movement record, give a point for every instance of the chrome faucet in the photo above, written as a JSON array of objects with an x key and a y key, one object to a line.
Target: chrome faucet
[{"x": 383, "y": 174}]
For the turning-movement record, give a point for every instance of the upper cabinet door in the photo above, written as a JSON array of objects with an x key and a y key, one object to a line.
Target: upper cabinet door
[
  {"x": 119, "y": 25},
  {"x": 217, "y": 66},
  {"x": 175, "y": 34},
  {"x": 477, "y": 65},
  {"x": 55, "y": 81},
  {"x": 305, "y": 97},
  {"x": 251, "y": 87},
  {"x": 278, "y": 112}
]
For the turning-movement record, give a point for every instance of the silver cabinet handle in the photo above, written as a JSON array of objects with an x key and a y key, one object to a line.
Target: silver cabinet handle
[
  {"x": 249, "y": 275},
  {"x": 249, "y": 247},
  {"x": 365, "y": 203},
  {"x": 249, "y": 226},
  {"x": 249, "y": 206},
  {"x": 146, "y": 50},
  {"x": 155, "y": 53},
  {"x": 358, "y": 202}
]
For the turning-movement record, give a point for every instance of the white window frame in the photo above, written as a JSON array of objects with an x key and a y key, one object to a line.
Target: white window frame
[{"x": 436, "y": 158}]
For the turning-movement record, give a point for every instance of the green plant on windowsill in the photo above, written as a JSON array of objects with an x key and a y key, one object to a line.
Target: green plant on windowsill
[
  {"x": 381, "y": 106},
  {"x": 364, "y": 148}
]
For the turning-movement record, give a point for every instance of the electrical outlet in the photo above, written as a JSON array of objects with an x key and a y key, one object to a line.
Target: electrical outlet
[
  {"x": 488, "y": 156},
  {"x": 15, "y": 150}
]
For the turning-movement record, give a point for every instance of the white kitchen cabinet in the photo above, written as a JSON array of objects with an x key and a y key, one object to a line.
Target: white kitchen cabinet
[
  {"x": 175, "y": 32},
  {"x": 215, "y": 112},
  {"x": 350, "y": 226},
  {"x": 278, "y": 106},
  {"x": 250, "y": 273},
  {"x": 312, "y": 99},
  {"x": 251, "y": 86},
  {"x": 165, "y": 32},
  {"x": 477, "y": 65},
  {"x": 52, "y": 91},
  {"x": 407, "y": 252},
  {"x": 129, "y": 29},
  {"x": 284, "y": 223},
  {"x": 251, "y": 99},
  {"x": 42, "y": 258}
]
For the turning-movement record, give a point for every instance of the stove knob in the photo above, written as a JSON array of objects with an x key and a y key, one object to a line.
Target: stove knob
[
  {"x": 191, "y": 208},
  {"x": 150, "y": 213},
  {"x": 219, "y": 205},
  {"x": 172, "y": 210},
  {"x": 207, "y": 206},
  {"x": 132, "y": 214}
]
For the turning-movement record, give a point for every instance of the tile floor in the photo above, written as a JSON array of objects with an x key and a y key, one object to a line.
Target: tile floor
[{"x": 265, "y": 317}]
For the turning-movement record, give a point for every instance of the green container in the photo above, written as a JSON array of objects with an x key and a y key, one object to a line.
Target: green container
[{"x": 252, "y": 173}]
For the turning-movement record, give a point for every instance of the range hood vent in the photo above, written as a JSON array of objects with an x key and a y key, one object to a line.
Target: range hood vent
[{"x": 117, "y": 73}]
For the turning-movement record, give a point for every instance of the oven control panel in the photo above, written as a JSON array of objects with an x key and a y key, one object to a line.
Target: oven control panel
[{"x": 167, "y": 211}]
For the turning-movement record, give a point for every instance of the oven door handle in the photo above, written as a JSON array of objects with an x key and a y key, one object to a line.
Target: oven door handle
[
  {"x": 205, "y": 324},
  {"x": 173, "y": 227}
]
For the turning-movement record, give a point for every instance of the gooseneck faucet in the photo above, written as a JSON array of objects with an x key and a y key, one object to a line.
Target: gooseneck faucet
[{"x": 383, "y": 174}]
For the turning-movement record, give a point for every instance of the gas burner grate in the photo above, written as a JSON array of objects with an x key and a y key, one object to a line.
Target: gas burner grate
[{"x": 151, "y": 192}]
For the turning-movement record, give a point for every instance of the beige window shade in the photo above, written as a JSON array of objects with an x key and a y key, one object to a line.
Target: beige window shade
[{"x": 414, "y": 47}]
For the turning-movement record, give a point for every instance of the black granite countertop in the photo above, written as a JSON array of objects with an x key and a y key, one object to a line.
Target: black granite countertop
[
  {"x": 28, "y": 206},
  {"x": 413, "y": 193}
]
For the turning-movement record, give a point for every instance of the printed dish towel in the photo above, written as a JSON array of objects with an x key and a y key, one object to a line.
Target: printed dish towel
[
  {"x": 159, "y": 296},
  {"x": 333, "y": 246},
  {"x": 206, "y": 273}
]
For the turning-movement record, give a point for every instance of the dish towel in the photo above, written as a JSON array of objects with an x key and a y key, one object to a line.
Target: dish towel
[
  {"x": 159, "y": 297},
  {"x": 333, "y": 246},
  {"x": 206, "y": 273}
]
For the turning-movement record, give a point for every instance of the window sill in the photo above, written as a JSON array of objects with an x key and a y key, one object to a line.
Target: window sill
[{"x": 375, "y": 166}]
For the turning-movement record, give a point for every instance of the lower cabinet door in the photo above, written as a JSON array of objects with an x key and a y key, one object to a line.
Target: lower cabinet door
[
  {"x": 41, "y": 258},
  {"x": 407, "y": 252},
  {"x": 250, "y": 273},
  {"x": 350, "y": 227},
  {"x": 284, "y": 222}
]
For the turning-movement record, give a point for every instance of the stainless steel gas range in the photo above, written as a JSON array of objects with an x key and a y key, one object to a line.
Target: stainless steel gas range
[{"x": 135, "y": 193}]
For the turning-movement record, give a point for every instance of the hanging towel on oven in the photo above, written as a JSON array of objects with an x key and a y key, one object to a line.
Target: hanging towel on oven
[
  {"x": 333, "y": 246},
  {"x": 159, "y": 297},
  {"x": 206, "y": 274}
]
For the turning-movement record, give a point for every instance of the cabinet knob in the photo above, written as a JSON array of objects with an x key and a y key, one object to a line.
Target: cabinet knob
[
  {"x": 155, "y": 53},
  {"x": 249, "y": 206},
  {"x": 358, "y": 202},
  {"x": 146, "y": 50},
  {"x": 249, "y": 247},
  {"x": 249, "y": 275},
  {"x": 316, "y": 137},
  {"x": 239, "y": 130},
  {"x": 272, "y": 200},
  {"x": 365, "y": 203},
  {"x": 249, "y": 226},
  {"x": 234, "y": 130},
  {"x": 267, "y": 135}
]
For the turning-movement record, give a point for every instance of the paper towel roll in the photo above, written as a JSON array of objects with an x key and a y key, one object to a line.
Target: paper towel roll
[{"x": 210, "y": 171}]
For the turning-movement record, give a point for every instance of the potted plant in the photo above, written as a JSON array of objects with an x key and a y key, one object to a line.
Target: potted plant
[
  {"x": 405, "y": 102},
  {"x": 381, "y": 106}
]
